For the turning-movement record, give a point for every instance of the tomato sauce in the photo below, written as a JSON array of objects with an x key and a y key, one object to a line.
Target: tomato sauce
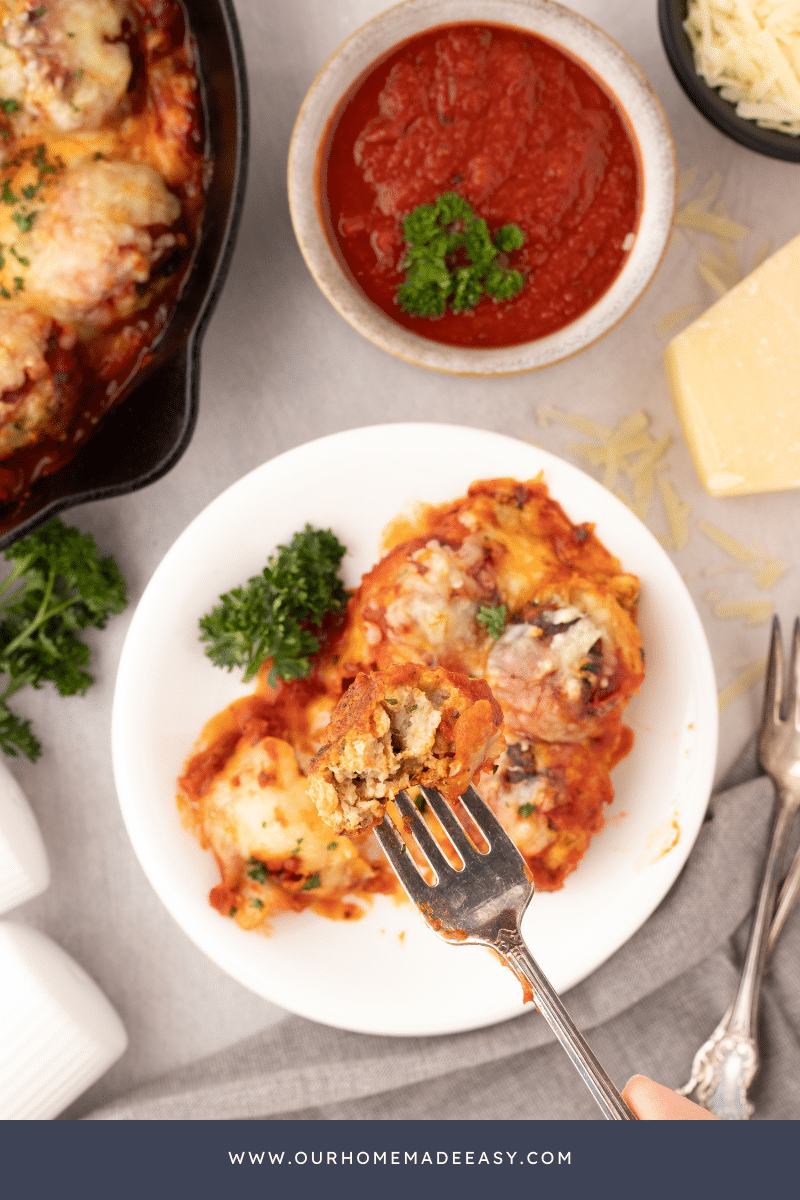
[{"x": 524, "y": 133}]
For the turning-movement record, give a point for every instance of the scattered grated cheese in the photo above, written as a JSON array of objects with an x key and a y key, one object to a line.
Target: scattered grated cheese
[
  {"x": 692, "y": 216},
  {"x": 613, "y": 464},
  {"x": 671, "y": 322},
  {"x": 750, "y": 50},
  {"x": 647, "y": 461},
  {"x": 756, "y": 670},
  {"x": 726, "y": 542},
  {"x": 769, "y": 574},
  {"x": 643, "y": 487},
  {"x": 753, "y": 612},
  {"x": 582, "y": 424},
  {"x": 677, "y": 515},
  {"x": 596, "y": 455},
  {"x": 765, "y": 569}
]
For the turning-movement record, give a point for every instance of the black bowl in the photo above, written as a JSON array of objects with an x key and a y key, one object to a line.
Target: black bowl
[
  {"x": 671, "y": 15},
  {"x": 142, "y": 438}
]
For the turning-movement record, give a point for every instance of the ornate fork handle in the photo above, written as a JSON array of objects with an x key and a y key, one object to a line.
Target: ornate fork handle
[
  {"x": 722, "y": 1071},
  {"x": 724, "y": 1066}
]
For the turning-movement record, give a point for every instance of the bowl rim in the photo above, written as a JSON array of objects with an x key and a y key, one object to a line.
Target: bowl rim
[
  {"x": 719, "y": 112},
  {"x": 585, "y": 42}
]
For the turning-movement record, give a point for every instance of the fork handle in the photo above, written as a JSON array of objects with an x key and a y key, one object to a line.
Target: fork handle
[
  {"x": 745, "y": 1003},
  {"x": 549, "y": 1004}
]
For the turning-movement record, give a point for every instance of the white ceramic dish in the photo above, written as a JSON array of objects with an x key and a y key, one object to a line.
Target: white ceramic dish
[
  {"x": 388, "y": 973},
  {"x": 605, "y": 60}
]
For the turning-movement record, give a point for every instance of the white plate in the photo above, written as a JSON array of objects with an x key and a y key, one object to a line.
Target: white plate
[{"x": 387, "y": 973}]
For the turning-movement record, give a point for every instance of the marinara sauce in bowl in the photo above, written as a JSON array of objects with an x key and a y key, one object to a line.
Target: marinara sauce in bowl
[{"x": 531, "y": 115}]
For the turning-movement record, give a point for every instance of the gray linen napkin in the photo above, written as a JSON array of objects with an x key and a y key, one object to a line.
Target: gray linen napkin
[{"x": 645, "y": 1010}]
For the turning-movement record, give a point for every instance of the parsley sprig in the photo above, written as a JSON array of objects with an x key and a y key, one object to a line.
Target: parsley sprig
[
  {"x": 276, "y": 614},
  {"x": 57, "y": 587},
  {"x": 451, "y": 258}
]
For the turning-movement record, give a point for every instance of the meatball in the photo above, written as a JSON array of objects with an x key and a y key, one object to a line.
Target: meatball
[
  {"x": 97, "y": 240},
  {"x": 39, "y": 387},
  {"x": 565, "y": 664},
  {"x": 62, "y": 63},
  {"x": 550, "y": 798},
  {"x": 396, "y": 728},
  {"x": 420, "y": 604}
]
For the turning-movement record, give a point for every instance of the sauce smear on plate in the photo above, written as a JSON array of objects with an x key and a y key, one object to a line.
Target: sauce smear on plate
[{"x": 519, "y": 129}]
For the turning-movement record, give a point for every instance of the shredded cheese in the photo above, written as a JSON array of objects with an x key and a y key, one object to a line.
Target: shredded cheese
[
  {"x": 672, "y": 321},
  {"x": 726, "y": 542},
  {"x": 752, "y": 612},
  {"x": 769, "y": 574},
  {"x": 695, "y": 217},
  {"x": 576, "y": 421},
  {"x": 677, "y": 511},
  {"x": 765, "y": 569},
  {"x": 755, "y": 671},
  {"x": 750, "y": 50}
]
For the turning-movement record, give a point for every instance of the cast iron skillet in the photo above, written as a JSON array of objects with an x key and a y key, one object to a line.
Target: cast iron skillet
[{"x": 142, "y": 438}]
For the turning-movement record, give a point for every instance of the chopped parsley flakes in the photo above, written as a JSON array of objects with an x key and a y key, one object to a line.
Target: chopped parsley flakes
[
  {"x": 257, "y": 870},
  {"x": 493, "y": 619}
]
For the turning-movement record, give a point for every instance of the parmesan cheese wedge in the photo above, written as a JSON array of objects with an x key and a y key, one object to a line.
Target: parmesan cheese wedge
[{"x": 734, "y": 375}]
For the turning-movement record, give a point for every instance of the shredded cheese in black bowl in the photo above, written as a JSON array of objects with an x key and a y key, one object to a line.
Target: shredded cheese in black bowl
[{"x": 740, "y": 68}]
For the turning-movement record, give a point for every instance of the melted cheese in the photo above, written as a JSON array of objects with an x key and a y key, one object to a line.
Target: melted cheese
[
  {"x": 62, "y": 63},
  {"x": 258, "y": 808},
  {"x": 91, "y": 244},
  {"x": 734, "y": 375},
  {"x": 23, "y": 340}
]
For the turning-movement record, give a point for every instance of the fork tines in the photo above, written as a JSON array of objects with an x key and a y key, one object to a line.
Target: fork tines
[
  {"x": 457, "y": 834},
  {"x": 774, "y": 697}
]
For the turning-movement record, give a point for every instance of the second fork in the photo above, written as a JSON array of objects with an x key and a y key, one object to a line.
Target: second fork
[{"x": 726, "y": 1063}]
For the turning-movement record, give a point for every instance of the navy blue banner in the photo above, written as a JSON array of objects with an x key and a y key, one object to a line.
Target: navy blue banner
[{"x": 397, "y": 1159}]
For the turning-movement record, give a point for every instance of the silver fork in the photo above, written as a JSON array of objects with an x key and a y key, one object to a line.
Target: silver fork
[
  {"x": 726, "y": 1063},
  {"x": 483, "y": 902}
]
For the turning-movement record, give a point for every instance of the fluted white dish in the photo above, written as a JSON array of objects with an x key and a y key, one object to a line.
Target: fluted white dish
[
  {"x": 24, "y": 869},
  {"x": 58, "y": 1031}
]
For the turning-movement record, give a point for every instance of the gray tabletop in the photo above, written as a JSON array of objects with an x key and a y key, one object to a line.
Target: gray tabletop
[{"x": 280, "y": 367}]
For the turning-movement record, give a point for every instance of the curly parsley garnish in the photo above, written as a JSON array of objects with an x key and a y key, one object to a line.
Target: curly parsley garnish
[
  {"x": 57, "y": 587},
  {"x": 493, "y": 619},
  {"x": 275, "y": 615},
  {"x": 451, "y": 259}
]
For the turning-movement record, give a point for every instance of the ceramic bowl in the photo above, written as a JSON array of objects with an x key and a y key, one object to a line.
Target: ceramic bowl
[
  {"x": 579, "y": 39},
  {"x": 707, "y": 100}
]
